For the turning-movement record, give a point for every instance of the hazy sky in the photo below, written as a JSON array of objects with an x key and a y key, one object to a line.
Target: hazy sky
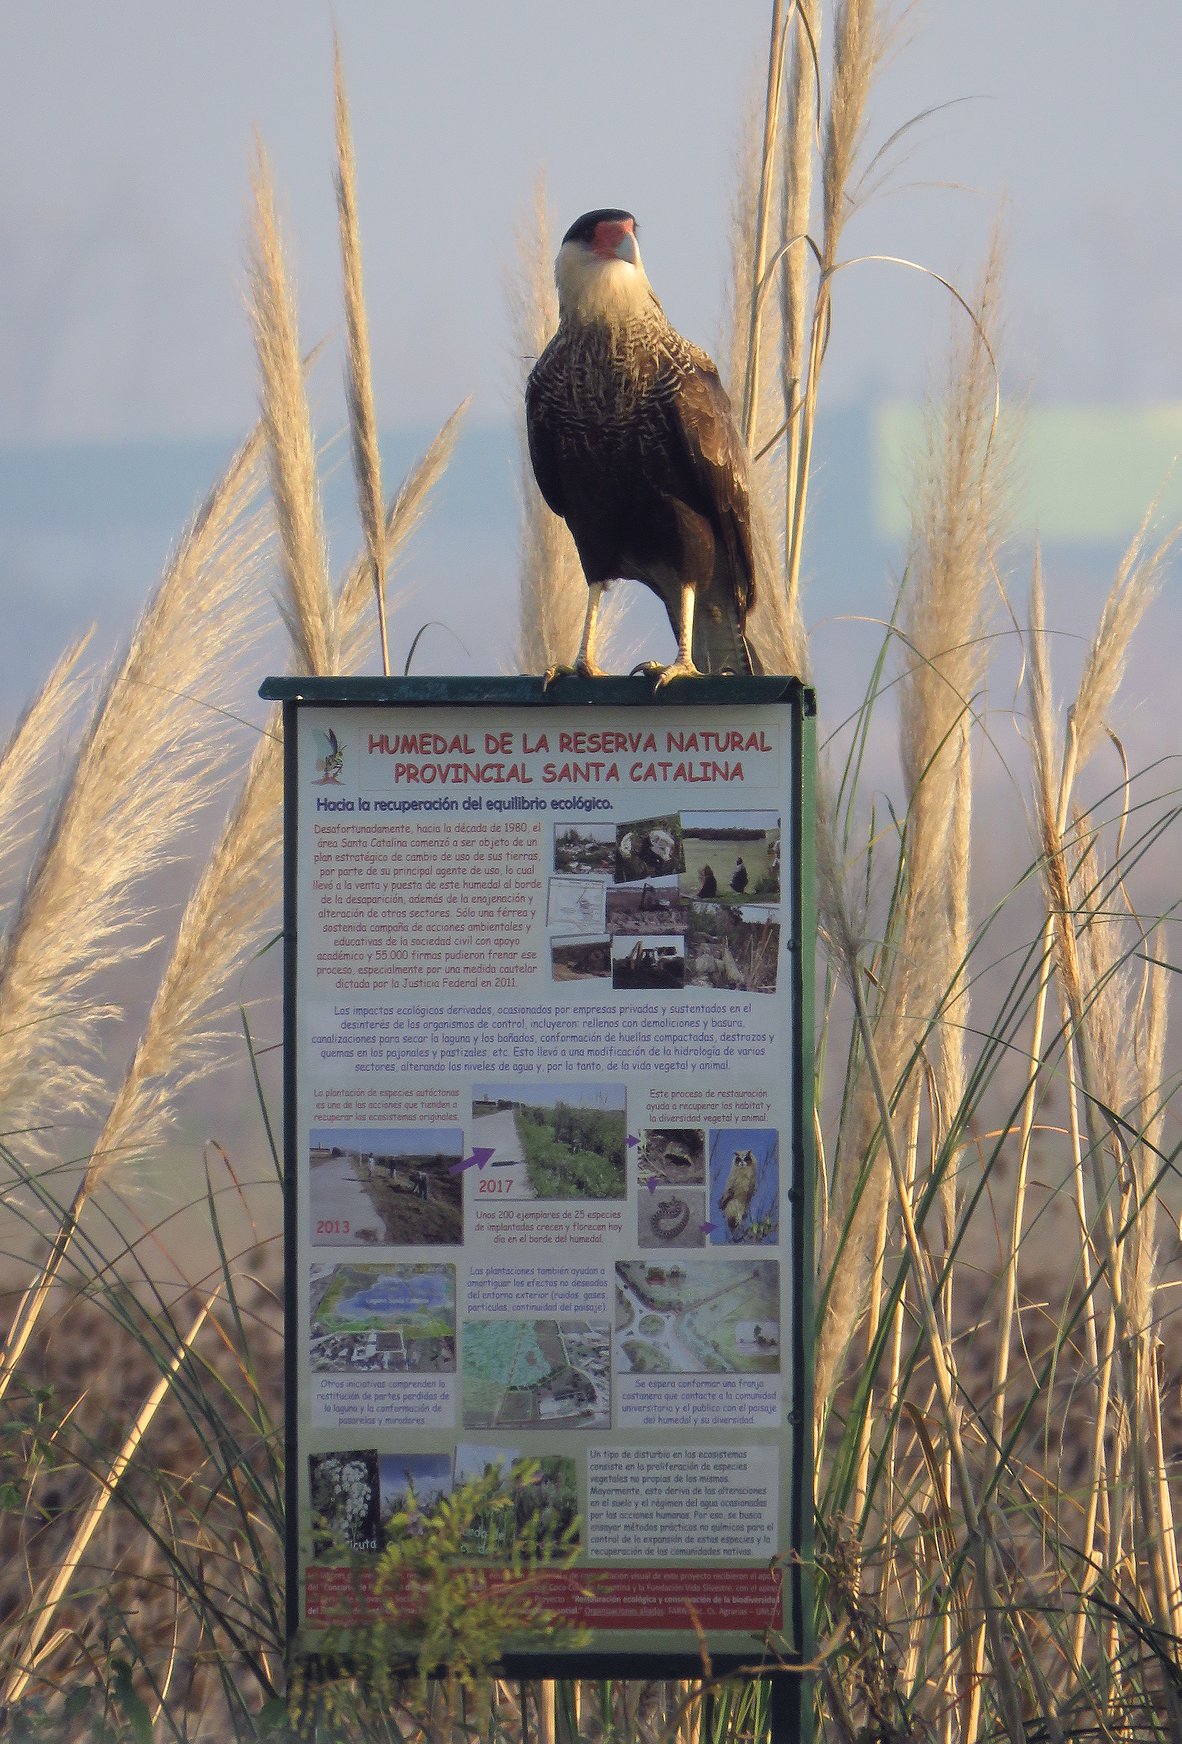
[{"x": 126, "y": 129}]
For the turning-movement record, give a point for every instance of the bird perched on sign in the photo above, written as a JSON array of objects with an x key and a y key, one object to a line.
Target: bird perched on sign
[{"x": 633, "y": 444}]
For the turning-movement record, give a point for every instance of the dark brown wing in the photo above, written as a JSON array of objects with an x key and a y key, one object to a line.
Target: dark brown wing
[
  {"x": 702, "y": 432},
  {"x": 540, "y": 437}
]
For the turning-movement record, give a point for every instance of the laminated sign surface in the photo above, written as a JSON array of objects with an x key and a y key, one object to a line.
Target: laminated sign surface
[{"x": 547, "y": 1195}]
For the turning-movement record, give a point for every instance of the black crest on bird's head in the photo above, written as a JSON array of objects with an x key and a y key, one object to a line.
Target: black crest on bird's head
[{"x": 583, "y": 229}]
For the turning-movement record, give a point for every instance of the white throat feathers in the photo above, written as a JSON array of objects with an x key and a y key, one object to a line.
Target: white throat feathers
[{"x": 591, "y": 288}]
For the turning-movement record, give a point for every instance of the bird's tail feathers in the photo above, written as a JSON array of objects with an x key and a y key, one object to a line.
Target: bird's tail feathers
[{"x": 718, "y": 643}]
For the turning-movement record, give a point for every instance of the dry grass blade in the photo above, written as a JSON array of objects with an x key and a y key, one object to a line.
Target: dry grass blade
[
  {"x": 552, "y": 591},
  {"x": 775, "y": 628},
  {"x": 951, "y": 1064},
  {"x": 1038, "y": 690},
  {"x": 799, "y": 139},
  {"x": 363, "y": 428},
  {"x": 765, "y": 200},
  {"x": 750, "y": 349},
  {"x": 306, "y": 604},
  {"x": 25, "y": 760},
  {"x": 402, "y": 518},
  {"x": 857, "y": 51},
  {"x": 1138, "y": 580},
  {"x": 147, "y": 763},
  {"x": 958, "y": 508},
  {"x": 842, "y": 921},
  {"x": 858, "y": 46}
]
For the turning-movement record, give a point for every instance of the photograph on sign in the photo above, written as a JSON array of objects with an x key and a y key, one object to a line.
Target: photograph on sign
[{"x": 545, "y": 1093}]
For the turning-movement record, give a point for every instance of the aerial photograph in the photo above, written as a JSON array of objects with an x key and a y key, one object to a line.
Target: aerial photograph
[
  {"x": 371, "y": 1318},
  {"x": 536, "y": 1374},
  {"x": 698, "y": 1316},
  {"x": 575, "y": 904}
]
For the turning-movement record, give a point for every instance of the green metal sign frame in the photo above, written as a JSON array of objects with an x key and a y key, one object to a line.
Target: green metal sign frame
[{"x": 791, "y": 1705}]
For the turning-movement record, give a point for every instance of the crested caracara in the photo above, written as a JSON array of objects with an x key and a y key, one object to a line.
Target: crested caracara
[{"x": 633, "y": 444}]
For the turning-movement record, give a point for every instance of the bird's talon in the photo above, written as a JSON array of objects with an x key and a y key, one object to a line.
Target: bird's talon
[
  {"x": 580, "y": 669},
  {"x": 678, "y": 669}
]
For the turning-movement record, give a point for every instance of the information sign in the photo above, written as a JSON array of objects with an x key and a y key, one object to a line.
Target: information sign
[{"x": 547, "y": 1111}]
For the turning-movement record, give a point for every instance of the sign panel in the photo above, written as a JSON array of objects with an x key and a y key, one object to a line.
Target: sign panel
[{"x": 545, "y": 1124}]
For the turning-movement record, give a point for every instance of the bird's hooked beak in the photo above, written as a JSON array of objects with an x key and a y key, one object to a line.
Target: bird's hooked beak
[{"x": 615, "y": 239}]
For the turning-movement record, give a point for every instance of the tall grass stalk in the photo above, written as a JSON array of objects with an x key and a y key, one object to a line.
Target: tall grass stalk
[
  {"x": 305, "y": 603},
  {"x": 363, "y": 424},
  {"x": 552, "y": 590},
  {"x": 858, "y": 46},
  {"x": 959, "y": 500},
  {"x": 753, "y": 351},
  {"x": 764, "y": 212},
  {"x": 404, "y": 514},
  {"x": 800, "y": 138}
]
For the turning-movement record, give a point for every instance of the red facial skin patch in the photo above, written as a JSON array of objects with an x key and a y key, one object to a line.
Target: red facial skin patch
[{"x": 609, "y": 233}]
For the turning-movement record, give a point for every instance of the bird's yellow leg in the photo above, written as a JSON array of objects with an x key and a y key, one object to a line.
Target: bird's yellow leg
[
  {"x": 683, "y": 666},
  {"x": 584, "y": 660}
]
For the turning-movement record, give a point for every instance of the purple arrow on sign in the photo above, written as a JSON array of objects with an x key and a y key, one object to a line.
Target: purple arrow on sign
[
  {"x": 480, "y": 1156},
  {"x": 653, "y": 1182},
  {"x": 632, "y": 1140},
  {"x": 709, "y": 1228}
]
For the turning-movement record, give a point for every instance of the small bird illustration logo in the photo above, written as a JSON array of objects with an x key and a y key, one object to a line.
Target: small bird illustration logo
[{"x": 331, "y": 760}]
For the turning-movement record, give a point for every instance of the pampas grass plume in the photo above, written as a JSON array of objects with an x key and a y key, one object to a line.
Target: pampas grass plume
[
  {"x": 363, "y": 428},
  {"x": 305, "y": 603}
]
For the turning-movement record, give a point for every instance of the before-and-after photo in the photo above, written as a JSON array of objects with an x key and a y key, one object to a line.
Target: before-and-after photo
[{"x": 371, "y": 1188}]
